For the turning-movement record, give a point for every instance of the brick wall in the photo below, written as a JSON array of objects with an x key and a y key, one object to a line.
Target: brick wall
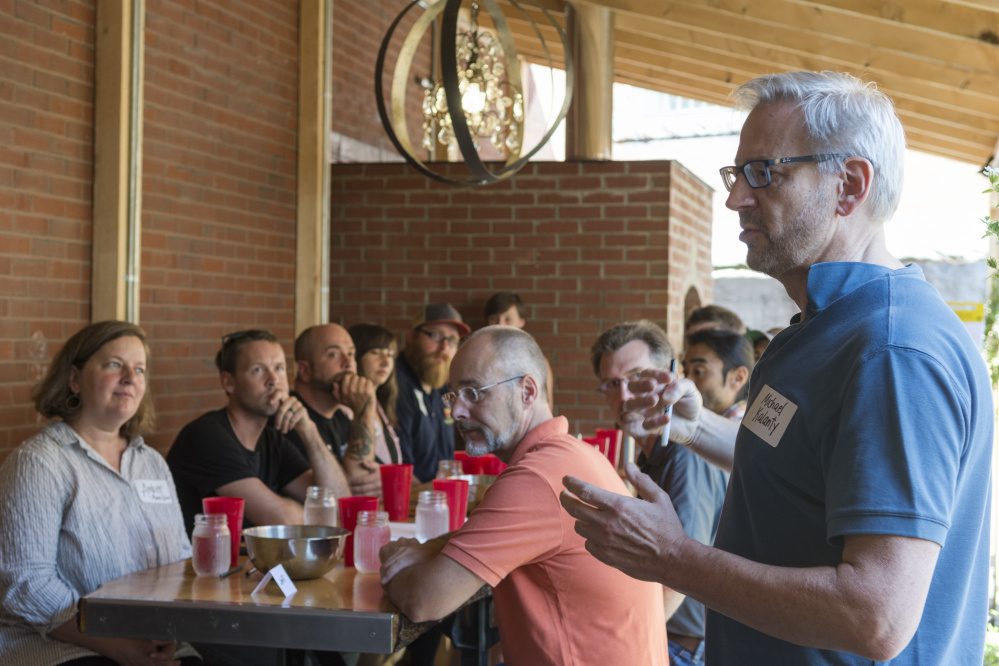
[
  {"x": 585, "y": 244},
  {"x": 358, "y": 30},
  {"x": 221, "y": 105},
  {"x": 46, "y": 164}
]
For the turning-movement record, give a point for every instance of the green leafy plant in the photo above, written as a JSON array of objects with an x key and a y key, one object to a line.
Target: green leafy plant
[
  {"x": 991, "y": 646},
  {"x": 991, "y": 343},
  {"x": 991, "y": 225}
]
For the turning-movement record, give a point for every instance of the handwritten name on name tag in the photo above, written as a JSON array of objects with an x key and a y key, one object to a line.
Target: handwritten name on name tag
[
  {"x": 769, "y": 415},
  {"x": 154, "y": 491}
]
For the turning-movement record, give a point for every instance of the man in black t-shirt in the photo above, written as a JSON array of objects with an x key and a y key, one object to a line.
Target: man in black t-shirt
[
  {"x": 242, "y": 451},
  {"x": 340, "y": 402}
]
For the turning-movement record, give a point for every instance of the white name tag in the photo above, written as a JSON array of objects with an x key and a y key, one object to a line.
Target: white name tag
[
  {"x": 279, "y": 576},
  {"x": 769, "y": 415},
  {"x": 154, "y": 491}
]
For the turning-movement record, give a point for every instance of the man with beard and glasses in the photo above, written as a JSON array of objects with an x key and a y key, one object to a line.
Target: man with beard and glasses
[
  {"x": 242, "y": 450},
  {"x": 341, "y": 403},
  {"x": 425, "y": 430},
  {"x": 856, "y": 522},
  {"x": 555, "y": 604}
]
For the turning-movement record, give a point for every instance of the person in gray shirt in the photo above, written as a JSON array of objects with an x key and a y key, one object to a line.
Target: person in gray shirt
[{"x": 85, "y": 501}]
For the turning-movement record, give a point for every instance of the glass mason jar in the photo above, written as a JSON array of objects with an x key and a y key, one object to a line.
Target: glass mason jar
[
  {"x": 321, "y": 507},
  {"x": 431, "y": 515},
  {"x": 371, "y": 534},
  {"x": 210, "y": 545},
  {"x": 447, "y": 469}
]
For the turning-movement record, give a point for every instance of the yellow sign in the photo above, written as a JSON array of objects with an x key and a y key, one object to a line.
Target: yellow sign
[{"x": 969, "y": 311}]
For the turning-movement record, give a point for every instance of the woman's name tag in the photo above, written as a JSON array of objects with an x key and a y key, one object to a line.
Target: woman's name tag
[{"x": 154, "y": 491}]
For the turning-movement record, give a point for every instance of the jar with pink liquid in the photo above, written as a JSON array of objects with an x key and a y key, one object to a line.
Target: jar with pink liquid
[
  {"x": 210, "y": 544},
  {"x": 372, "y": 532}
]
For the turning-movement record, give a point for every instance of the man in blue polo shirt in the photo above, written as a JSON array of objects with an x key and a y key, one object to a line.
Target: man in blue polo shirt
[
  {"x": 856, "y": 524},
  {"x": 426, "y": 431}
]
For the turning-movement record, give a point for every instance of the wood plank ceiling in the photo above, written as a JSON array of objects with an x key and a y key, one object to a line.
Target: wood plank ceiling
[{"x": 937, "y": 59}]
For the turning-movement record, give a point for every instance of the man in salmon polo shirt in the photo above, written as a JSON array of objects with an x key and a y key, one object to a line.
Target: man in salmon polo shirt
[{"x": 555, "y": 603}]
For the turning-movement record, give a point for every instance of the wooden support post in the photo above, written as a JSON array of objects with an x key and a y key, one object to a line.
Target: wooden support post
[
  {"x": 117, "y": 205},
  {"x": 588, "y": 125},
  {"x": 312, "y": 238}
]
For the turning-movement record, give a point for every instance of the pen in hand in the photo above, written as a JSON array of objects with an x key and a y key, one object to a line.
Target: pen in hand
[{"x": 669, "y": 408}]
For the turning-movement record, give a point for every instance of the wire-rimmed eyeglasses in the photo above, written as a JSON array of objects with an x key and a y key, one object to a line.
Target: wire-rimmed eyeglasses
[
  {"x": 757, "y": 172},
  {"x": 471, "y": 395}
]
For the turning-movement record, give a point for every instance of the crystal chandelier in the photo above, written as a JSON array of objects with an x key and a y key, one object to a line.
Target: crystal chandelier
[
  {"x": 479, "y": 95},
  {"x": 493, "y": 107}
]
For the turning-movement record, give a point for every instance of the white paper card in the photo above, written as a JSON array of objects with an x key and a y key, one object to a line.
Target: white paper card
[
  {"x": 769, "y": 415},
  {"x": 279, "y": 576},
  {"x": 154, "y": 491}
]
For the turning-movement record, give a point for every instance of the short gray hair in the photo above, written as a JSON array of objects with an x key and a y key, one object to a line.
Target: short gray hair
[
  {"x": 618, "y": 336},
  {"x": 842, "y": 115},
  {"x": 519, "y": 352}
]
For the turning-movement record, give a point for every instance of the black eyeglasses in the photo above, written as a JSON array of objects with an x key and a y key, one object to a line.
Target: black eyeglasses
[
  {"x": 439, "y": 337},
  {"x": 757, "y": 172},
  {"x": 471, "y": 395}
]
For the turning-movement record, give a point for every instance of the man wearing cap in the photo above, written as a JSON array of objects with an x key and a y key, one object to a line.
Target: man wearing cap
[{"x": 425, "y": 429}]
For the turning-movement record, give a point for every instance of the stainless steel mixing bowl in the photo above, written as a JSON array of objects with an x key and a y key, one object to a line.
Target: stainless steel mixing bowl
[{"x": 305, "y": 551}]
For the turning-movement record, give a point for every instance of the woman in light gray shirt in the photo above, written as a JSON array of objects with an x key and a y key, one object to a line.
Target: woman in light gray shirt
[{"x": 85, "y": 501}]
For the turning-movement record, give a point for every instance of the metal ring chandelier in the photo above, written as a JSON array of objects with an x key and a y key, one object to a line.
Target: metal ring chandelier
[{"x": 471, "y": 68}]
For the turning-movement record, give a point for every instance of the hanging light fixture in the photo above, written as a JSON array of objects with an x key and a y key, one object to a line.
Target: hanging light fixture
[
  {"x": 478, "y": 96},
  {"x": 493, "y": 106}
]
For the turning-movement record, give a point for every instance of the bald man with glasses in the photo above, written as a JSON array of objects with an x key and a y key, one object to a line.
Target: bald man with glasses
[{"x": 555, "y": 604}]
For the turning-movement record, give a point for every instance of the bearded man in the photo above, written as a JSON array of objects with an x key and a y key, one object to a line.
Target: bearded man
[
  {"x": 425, "y": 426},
  {"x": 555, "y": 604}
]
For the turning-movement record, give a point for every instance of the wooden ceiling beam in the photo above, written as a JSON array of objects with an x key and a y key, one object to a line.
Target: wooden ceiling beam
[
  {"x": 759, "y": 17},
  {"x": 957, "y": 19},
  {"x": 793, "y": 49}
]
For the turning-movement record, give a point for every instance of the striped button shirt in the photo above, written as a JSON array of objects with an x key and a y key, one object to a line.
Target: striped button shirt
[{"x": 69, "y": 522}]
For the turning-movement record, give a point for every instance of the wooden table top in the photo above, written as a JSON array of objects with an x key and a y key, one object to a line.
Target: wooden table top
[
  {"x": 342, "y": 588},
  {"x": 344, "y": 610}
]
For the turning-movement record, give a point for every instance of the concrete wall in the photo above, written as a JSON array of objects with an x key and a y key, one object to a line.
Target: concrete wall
[{"x": 762, "y": 303}]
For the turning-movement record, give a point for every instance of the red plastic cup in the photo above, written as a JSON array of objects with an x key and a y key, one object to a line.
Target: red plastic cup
[
  {"x": 614, "y": 449},
  {"x": 473, "y": 465},
  {"x": 396, "y": 485},
  {"x": 462, "y": 457},
  {"x": 600, "y": 443},
  {"x": 232, "y": 507},
  {"x": 349, "y": 508},
  {"x": 457, "y": 500},
  {"x": 492, "y": 465}
]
